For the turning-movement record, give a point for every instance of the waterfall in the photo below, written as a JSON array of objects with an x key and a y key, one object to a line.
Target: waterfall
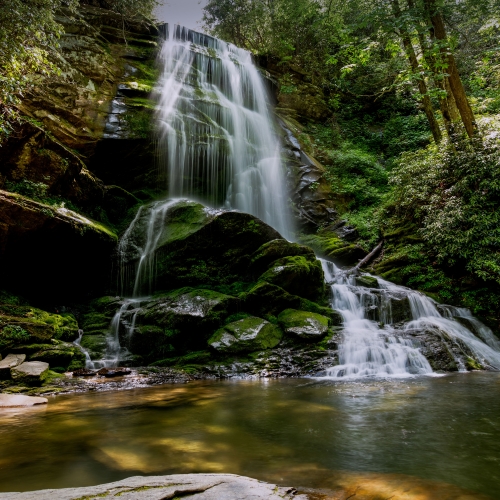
[
  {"x": 216, "y": 136},
  {"x": 377, "y": 340}
]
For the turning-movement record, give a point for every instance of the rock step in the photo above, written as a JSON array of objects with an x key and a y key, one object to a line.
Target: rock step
[
  {"x": 31, "y": 372},
  {"x": 10, "y": 361},
  {"x": 196, "y": 486}
]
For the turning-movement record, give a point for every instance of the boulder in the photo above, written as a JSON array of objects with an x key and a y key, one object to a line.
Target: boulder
[
  {"x": 18, "y": 400},
  {"x": 197, "y": 246},
  {"x": 179, "y": 321},
  {"x": 246, "y": 335},
  {"x": 10, "y": 361},
  {"x": 367, "y": 281},
  {"x": 114, "y": 372},
  {"x": 303, "y": 324},
  {"x": 277, "y": 249},
  {"x": 31, "y": 372},
  {"x": 300, "y": 275}
]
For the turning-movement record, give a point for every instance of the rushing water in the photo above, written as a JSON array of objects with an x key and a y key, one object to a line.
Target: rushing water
[
  {"x": 417, "y": 439},
  {"x": 376, "y": 342},
  {"x": 216, "y": 134}
]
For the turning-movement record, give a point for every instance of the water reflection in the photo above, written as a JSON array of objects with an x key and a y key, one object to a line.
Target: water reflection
[{"x": 415, "y": 439}]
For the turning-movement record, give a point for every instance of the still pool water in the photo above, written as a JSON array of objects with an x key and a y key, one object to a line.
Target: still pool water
[{"x": 423, "y": 438}]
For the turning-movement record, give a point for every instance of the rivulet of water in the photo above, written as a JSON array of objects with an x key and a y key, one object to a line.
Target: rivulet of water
[{"x": 217, "y": 141}]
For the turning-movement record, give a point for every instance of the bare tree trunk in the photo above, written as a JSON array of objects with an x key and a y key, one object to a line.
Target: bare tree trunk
[
  {"x": 418, "y": 70},
  {"x": 457, "y": 89}
]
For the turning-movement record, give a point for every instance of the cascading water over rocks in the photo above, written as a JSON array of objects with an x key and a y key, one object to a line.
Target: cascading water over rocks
[
  {"x": 385, "y": 324},
  {"x": 216, "y": 134}
]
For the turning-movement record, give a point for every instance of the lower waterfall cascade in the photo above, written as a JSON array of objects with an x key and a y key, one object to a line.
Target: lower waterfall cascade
[{"x": 374, "y": 344}]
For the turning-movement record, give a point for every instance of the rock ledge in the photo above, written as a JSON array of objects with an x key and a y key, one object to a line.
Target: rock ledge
[{"x": 196, "y": 486}]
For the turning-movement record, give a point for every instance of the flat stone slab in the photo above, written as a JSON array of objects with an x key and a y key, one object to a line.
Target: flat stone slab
[
  {"x": 196, "y": 486},
  {"x": 32, "y": 371},
  {"x": 11, "y": 361},
  {"x": 18, "y": 400}
]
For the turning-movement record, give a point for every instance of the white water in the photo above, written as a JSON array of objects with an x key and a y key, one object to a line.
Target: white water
[
  {"x": 216, "y": 137},
  {"x": 381, "y": 349}
]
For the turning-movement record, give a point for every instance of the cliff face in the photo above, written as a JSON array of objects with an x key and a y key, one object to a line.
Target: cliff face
[{"x": 101, "y": 95}]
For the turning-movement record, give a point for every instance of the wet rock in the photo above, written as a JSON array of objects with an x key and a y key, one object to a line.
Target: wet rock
[
  {"x": 62, "y": 354},
  {"x": 195, "y": 486},
  {"x": 270, "y": 252},
  {"x": 18, "y": 400},
  {"x": 367, "y": 281},
  {"x": 246, "y": 335},
  {"x": 84, "y": 372},
  {"x": 95, "y": 344},
  {"x": 299, "y": 275},
  {"x": 302, "y": 324},
  {"x": 199, "y": 246},
  {"x": 30, "y": 373},
  {"x": 10, "y": 361},
  {"x": 114, "y": 372}
]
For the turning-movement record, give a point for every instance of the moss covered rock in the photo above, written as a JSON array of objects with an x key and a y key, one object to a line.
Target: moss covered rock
[
  {"x": 303, "y": 324},
  {"x": 299, "y": 275},
  {"x": 367, "y": 281},
  {"x": 30, "y": 373},
  {"x": 246, "y": 335}
]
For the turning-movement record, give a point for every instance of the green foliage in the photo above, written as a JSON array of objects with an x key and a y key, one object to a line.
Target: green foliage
[{"x": 453, "y": 194}]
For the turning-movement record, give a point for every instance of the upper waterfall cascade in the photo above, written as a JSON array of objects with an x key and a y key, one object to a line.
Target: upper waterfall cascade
[
  {"x": 216, "y": 137},
  {"x": 378, "y": 342}
]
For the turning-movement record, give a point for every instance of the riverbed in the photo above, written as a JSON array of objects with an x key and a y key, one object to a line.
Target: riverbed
[{"x": 419, "y": 438}]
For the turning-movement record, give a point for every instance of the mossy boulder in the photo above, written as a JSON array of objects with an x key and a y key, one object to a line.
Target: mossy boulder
[
  {"x": 367, "y": 281},
  {"x": 270, "y": 252},
  {"x": 179, "y": 321},
  {"x": 246, "y": 335},
  {"x": 64, "y": 355},
  {"x": 327, "y": 244},
  {"x": 198, "y": 246},
  {"x": 299, "y": 275},
  {"x": 303, "y": 324}
]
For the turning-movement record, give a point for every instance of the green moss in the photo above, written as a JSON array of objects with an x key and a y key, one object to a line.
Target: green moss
[
  {"x": 246, "y": 335},
  {"x": 298, "y": 275}
]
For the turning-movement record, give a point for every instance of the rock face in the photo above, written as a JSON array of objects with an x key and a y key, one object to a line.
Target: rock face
[
  {"x": 47, "y": 251},
  {"x": 196, "y": 486},
  {"x": 18, "y": 400},
  {"x": 306, "y": 325},
  {"x": 31, "y": 372},
  {"x": 246, "y": 335}
]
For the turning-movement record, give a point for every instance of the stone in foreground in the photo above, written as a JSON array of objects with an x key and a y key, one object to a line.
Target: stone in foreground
[
  {"x": 18, "y": 400},
  {"x": 194, "y": 486},
  {"x": 32, "y": 372},
  {"x": 10, "y": 361},
  {"x": 248, "y": 334},
  {"x": 303, "y": 324}
]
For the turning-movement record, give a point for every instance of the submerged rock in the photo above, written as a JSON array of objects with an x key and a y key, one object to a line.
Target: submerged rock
[
  {"x": 248, "y": 334},
  {"x": 19, "y": 400},
  {"x": 306, "y": 325},
  {"x": 114, "y": 372},
  {"x": 195, "y": 486}
]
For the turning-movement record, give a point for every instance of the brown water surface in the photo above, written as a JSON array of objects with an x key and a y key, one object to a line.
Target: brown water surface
[{"x": 418, "y": 439}]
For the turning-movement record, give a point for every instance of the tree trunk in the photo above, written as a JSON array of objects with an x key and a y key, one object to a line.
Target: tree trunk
[
  {"x": 418, "y": 70},
  {"x": 457, "y": 89}
]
